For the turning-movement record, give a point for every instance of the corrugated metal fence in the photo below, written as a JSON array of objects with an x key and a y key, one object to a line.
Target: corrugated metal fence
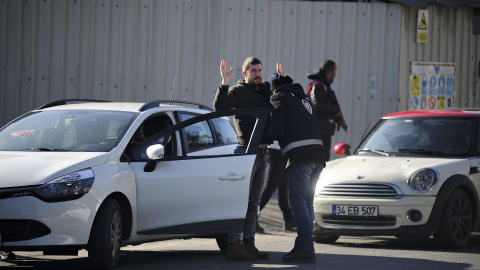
[{"x": 125, "y": 50}]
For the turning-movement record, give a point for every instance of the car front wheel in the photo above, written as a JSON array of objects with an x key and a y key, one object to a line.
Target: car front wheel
[
  {"x": 106, "y": 236},
  {"x": 455, "y": 224}
]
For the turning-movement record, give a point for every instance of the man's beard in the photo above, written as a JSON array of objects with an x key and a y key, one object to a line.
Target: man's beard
[{"x": 253, "y": 80}]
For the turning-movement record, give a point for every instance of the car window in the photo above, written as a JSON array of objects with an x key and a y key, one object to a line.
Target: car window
[
  {"x": 173, "y": 134},
  {"x": 225, "y": 132},
  {"x": 197, "y": 136},
  {"x": 69, "y": 130},
  {"x": 151, "y": 126},
  {"x": 451, "y": 136}
]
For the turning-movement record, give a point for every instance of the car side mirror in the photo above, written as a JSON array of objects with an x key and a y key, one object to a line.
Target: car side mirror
[
  {"x": 342, "y": 149},
  {"x": 155, "y": 153}
]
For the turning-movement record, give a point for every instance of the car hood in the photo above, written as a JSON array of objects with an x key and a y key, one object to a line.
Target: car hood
[
  {"x": 35, "y": 168},
  {"x": 393, "y": 170}
]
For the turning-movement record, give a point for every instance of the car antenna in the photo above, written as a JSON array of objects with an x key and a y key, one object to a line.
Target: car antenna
[{"x": 171, "y": 92}]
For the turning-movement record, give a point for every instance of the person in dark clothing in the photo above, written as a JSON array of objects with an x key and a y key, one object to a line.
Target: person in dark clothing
[
  {"x": 251, "y": 92},
  {"x": 276, "y": 179},
  {"x": 294, "y": 125},
  {"x": 325, "y": 103}
]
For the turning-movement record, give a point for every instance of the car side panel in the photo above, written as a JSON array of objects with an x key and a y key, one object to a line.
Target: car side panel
[{"x": 190, "y": 191}]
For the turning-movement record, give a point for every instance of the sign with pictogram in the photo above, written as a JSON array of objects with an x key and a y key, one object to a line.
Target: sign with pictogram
[
  {"x": 431, "y": 85},
  {"x": 422, "y": 26},
  {"x": 423, "y": 103},
  {"x": 432, "y": 102}
]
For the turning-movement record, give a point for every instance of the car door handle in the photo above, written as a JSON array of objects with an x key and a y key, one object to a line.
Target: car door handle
[{"x": 232, "y": 176}]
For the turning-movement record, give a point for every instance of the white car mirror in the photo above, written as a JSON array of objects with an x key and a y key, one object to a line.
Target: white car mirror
[{"x": 156, "y": 152}]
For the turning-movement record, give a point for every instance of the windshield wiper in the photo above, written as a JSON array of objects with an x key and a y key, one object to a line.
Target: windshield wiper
[
  {"x": 380, "y": 152},
  {"x": 423, "y": 151},
  {"x": 44, "y": 149}
]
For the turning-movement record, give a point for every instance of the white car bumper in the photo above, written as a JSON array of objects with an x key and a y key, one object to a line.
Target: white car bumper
[
  {"x": 69, "y": 221},
  {"x": 392, "y": 213}
]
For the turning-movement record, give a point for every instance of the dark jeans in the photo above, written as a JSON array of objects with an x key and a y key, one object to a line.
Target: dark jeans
[
  {"x": 257, "y": 181},
  {"x": 327, "y": 145},
  {"x": 302, "y": 180},
  {"x": 276, "y": 179}
]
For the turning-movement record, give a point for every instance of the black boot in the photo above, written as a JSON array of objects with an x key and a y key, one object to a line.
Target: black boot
[
  {"x": 250, "y": 248},
  {"x": 299, "y": 256},
  {"x": 236, "y": 252}
]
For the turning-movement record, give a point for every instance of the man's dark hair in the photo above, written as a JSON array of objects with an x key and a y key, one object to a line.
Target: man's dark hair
[
  {"x": 250, "y": 61},
  {"x": 327, "y": 65}
]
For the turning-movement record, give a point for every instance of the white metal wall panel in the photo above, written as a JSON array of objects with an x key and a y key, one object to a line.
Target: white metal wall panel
[{"x": 133, "y": 50}]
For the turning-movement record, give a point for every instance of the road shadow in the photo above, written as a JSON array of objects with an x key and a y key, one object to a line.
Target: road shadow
[
  {"x": 392, "y": 243},
  {"x": 188, "y": 259}
]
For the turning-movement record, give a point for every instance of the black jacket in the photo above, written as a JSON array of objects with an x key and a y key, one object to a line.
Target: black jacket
[
  {"x": 324, "y": 101},
  {"x": 243, "y": 95},
  {"x": 294, "y": 124}
]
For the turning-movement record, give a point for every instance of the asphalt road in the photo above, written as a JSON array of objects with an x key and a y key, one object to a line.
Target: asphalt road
[{"x": 347, "y": 253}]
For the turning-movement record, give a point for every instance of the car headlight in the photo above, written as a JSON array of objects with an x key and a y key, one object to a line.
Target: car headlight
[
  {"x": 423, "y": 180},
  {"x": 67, "y": 187}
]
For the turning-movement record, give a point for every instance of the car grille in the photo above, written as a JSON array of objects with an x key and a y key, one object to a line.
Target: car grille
[
  {"x": 362, "y": 190},
  {"x": 20, "y": 230},
  {"x": 359, "y": 221}
]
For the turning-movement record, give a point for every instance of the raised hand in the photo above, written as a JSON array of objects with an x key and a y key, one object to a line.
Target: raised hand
[
  {"x": 225, "y": 73},
  {"x": 280, "y": 70}
]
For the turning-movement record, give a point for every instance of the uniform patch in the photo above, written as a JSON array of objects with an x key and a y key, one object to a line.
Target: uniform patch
[{"x": 307, "y": 105}]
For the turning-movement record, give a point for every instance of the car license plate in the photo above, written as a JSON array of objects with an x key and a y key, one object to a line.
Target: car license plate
[{"x": 355, "y": 210}]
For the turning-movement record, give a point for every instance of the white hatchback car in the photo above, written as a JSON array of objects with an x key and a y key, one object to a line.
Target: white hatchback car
[
  {"x": 80, "y": 174},
  {"x": 416, "y": 174}
]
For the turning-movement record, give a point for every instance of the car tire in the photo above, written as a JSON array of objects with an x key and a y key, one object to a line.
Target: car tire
[
  {"x": 321, "y": 239},
  {"x": 222, "y": 241},
  {"x": 455, "y": 225},
  {"x": 106, "y": 236}
]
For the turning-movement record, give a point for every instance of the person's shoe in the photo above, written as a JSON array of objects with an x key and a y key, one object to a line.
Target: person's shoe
[
  {"x": 259, "y": 228},
  {"x": 250, "y": 248},
  {"x": 236, "y": 252},
  {"x": 299, "y": 256},
  {"x": 290, "y": 226}
]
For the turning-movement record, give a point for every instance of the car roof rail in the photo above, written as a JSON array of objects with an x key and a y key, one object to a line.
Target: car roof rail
[
  {"x": 157, "y": 103},
  {"x": 65, "y": 101}
]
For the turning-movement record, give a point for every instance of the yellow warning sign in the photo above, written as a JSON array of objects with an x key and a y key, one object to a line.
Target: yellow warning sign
[
  {"x": 415, "y": 85},
  {"x": 422, "y": 27},
  {"x": 440, "y": 102},
  {"x": 423, "y": 23},
  {"x": 422, "y": 37}
]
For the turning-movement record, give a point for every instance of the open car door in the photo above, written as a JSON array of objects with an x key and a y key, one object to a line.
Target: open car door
[{"x": 194, "y": 194}]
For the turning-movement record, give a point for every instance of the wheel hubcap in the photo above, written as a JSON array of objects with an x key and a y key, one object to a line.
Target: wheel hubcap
[
  {"x": 461, "y": 218},
  {"x": 115, "y": 234}
]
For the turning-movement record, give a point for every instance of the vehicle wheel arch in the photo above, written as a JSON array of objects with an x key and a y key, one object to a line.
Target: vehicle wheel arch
[
  {"x": 457, "y": 182},
  {"x": 127, "y": 214}
]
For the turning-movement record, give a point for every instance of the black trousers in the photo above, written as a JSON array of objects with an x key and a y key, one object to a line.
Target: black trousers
[
  {"x": 327, "y": 146},
  {"x": 276, "y": 179}
]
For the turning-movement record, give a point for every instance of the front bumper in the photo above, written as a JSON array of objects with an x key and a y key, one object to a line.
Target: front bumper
[
  {"x": 391, "y": 220},
  {"x": 45, "y": 224}
]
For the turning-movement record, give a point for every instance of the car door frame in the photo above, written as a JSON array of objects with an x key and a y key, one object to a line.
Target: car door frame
[{"x": 193, "y": 226}]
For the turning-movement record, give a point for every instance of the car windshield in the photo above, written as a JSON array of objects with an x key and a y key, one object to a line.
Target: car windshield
[
  {"x": 431, "y": 136},
  {"x": 75, "y": 131}
]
